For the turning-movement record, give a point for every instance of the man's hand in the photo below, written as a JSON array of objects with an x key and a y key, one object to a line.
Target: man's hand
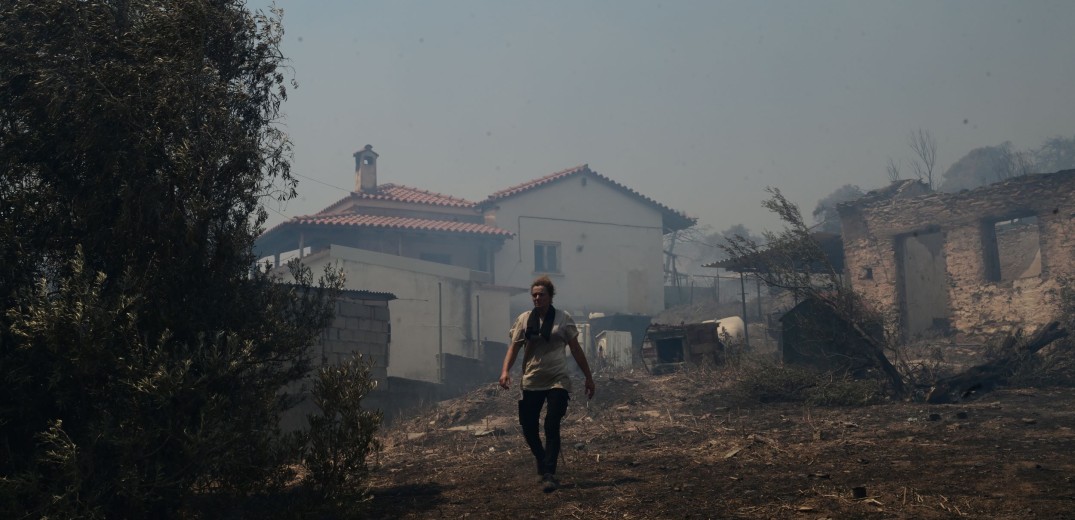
[
  {"x": 590, "y": 388},
  {"x": 505, "y": 380}
]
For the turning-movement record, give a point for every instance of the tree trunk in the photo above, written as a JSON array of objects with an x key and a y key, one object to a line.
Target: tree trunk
[{"x": 989, "y": 375}]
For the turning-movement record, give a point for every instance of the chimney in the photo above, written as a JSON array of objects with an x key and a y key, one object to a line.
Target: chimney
[{"x": 366, "y": 170}]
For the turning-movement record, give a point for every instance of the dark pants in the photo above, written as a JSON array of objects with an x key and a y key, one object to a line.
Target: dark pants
[{"x": 529, "y": 413}]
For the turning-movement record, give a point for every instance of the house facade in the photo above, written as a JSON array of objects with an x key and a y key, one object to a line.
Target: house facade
[
  {"x": 460, "y": 270},
  {"x": 600, "y": 242},
  {"x": 433, "y": 252},
  {"x": 439, "y": 309}
]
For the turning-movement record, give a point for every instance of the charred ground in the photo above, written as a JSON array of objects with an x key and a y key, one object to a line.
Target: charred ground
[{"x": 685, "y": 445}]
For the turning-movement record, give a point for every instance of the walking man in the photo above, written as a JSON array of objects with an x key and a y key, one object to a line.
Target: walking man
[{"x": 542, "y": 334}]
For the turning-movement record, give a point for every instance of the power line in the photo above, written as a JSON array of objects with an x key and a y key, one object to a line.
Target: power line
[
  {"x": 321, "y": 182},
  {"x": 288, "y": 217}
]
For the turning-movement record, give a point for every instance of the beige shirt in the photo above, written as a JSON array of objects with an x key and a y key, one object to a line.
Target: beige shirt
[{"x": 545, "y": 362}]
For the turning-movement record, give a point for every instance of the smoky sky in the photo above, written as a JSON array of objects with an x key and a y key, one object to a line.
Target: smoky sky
[{"x": 697, "y": 104}]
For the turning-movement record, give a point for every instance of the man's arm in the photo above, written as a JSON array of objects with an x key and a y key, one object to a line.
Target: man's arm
[
  {"x": 509, "y": 361},
  {"x": 580, "y": 358}
]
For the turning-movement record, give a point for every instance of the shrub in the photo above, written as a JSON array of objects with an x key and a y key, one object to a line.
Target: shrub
[{"x": 342, "y": 436}]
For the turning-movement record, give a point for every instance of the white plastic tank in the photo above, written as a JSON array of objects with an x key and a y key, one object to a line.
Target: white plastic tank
[{"x": 730, "y": 329}]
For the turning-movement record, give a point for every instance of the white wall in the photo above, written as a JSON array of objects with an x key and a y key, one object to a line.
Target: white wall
[
  {"x": 416, "y": 313},
  {"x": 611, "y": 246}
]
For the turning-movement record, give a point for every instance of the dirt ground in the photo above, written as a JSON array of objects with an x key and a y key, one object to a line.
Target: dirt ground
[{"x": 681, "y": 446}]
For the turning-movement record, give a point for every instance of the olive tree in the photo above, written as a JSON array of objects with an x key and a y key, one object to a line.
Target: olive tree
[{"x": 142, "y": 357}]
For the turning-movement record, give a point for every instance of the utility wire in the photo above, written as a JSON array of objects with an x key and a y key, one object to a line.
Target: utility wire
[
  {"x": 321, "y": 182},
  {"x": 288, "y": 217}
]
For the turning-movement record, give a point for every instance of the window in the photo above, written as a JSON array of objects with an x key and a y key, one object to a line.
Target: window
[
  {"x": 547, "y": 257},
  {"x": 1012, "y": 249},
  {"x": 439, "y": 258}
]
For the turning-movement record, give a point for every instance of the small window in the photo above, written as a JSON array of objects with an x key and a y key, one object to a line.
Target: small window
[
  {"x": 439, "y": 258},
  {"x": 547, "y": 257},
  {"x": 867, "y": 273},
  {"x": 1012, "y": 249}
]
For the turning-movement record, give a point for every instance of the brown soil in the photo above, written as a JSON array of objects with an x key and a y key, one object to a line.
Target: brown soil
[{"x": 678, "y": 446}]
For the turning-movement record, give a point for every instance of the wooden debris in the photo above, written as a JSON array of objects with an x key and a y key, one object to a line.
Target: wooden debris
[{"x": 985, "y": 377}]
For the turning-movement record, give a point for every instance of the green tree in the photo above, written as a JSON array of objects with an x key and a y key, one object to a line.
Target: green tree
[
  {"x": 986, "y": 165},
  {"x": 1055, "y": 154},
  {"x": 825, "y": 214},
  {"x": 141, "y": 359}
]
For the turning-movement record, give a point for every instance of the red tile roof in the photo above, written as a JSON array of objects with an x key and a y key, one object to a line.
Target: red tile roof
[
  {"x": 408, "y": 223},
  {"x": 674, "y": 219},
  {"x": 397, "y": 193},
  {"x": 529, "y": 185}
]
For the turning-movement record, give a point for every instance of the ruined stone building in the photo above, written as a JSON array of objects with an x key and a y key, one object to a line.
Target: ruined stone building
[{"x": 974, "y": 262}]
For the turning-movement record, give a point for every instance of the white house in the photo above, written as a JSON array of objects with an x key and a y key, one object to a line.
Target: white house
[
  {"x": 433, "y": 252},
  {"x": 438, "y": 308},
  {"x": 600, "y": 242}
]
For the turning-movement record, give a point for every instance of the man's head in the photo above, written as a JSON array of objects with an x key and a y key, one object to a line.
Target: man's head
[{"x": 542, "y": 291}]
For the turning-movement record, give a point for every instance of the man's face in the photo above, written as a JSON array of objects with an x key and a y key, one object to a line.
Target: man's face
[{"x": 540, "y": 296}]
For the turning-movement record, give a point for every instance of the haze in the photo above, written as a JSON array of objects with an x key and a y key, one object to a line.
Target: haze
[{"x": 697, "y": 104}]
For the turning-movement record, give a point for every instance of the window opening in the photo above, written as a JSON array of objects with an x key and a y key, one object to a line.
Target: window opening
[
  {"x": 1012, "y": 249},
  {"x": 547, "y": 257},
  {"x": 439, "y": 258}
]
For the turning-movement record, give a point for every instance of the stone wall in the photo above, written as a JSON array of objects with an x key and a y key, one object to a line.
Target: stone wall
[{"x": 980, "y": 300}]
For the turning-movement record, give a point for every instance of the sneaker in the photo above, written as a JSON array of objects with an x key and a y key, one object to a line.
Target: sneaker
[{"x": 549, "y": 483}]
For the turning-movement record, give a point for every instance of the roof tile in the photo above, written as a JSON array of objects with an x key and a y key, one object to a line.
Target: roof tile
[
  {"x": 408, "y": 223},
  {"x": 682, "y": 220},
  {"x": 398, "y": 193}
]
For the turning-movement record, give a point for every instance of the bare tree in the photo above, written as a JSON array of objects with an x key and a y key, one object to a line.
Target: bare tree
[
  {"x": 794, "y": 260},
  {"x": 924, "y": 146},
  {"x": 682, "y": 246},
  {"x": 893, "y": 169}
]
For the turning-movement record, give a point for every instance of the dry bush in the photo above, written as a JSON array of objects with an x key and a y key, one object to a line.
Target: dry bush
[
  {"x": 1051, "y": 366},
  {"x": 767, "y": 382}
]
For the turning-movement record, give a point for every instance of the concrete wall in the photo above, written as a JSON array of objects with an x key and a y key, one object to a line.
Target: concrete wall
[
  {"x": 876, "y": 233},
  {"x": 438, "y": 308},
  {"x": 610, "y": 243}
]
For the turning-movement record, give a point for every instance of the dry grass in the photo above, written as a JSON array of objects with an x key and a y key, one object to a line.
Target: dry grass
[{"x": 690, "y": 445}]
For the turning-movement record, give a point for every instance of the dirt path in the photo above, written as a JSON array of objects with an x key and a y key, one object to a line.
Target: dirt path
[{"x": 676, "y": 447}]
